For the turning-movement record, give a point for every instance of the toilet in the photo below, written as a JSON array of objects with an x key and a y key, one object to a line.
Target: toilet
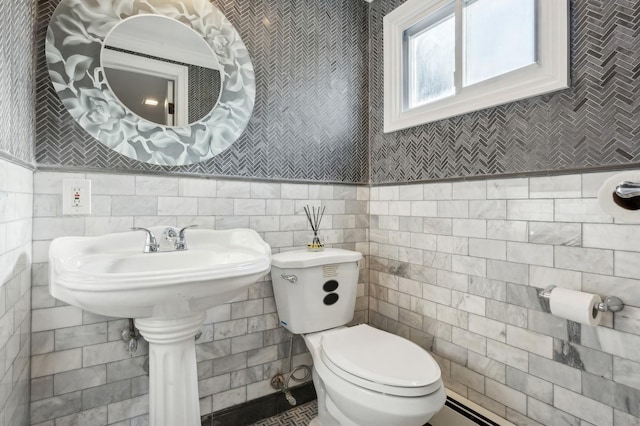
[{"x": 362, "y": 375}]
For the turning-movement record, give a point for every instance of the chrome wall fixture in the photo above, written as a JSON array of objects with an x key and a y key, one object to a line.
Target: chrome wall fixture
[
  {"x": 609, "y": 304},
  {"x": 627, "y": 195}
]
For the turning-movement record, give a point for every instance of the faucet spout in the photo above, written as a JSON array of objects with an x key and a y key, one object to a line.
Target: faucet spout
[{"x": 150, "y": 243}]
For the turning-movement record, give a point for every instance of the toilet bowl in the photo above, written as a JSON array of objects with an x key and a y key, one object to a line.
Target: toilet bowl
[
  {"x": 397, "y": 384},
  {"x": 362, "y": 375}
]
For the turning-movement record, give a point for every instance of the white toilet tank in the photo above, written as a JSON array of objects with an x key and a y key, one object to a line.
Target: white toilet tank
[{"x": 315, "y": 291}]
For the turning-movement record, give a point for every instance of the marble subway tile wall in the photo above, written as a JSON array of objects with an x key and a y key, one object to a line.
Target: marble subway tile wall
[
  {"x": 455, "y": 267},
  {"x": 16, "y": 203},
  {"x": 81, "y": 371}
]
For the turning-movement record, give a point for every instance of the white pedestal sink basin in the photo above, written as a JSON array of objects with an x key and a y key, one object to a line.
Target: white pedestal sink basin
[{"x": 166, "y": 292}]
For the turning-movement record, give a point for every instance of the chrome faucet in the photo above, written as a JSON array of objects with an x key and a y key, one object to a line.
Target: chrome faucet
[
  {"x": 172, "y": 239},
  {"x": 150, "y": 243},
  {"x": 181, "y": 242}
]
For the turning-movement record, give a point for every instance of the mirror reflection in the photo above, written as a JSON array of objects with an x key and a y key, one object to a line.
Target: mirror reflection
[{"x": 161, "y": 70}]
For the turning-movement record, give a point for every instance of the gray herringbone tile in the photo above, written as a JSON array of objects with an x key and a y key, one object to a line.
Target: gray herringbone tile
[
  {"x": 596, "y": 122},
  {"x": 310, "y": 116}
]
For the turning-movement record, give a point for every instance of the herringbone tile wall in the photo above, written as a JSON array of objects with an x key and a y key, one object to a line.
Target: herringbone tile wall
[
  {"x": 310, "y": 117},
  {"x": 594, "y": 123},
  {"x": 17, "y": 127}
]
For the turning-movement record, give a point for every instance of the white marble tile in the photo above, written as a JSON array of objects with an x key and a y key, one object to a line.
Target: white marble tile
[
  {"x": 379, "y": 207},
  {"x": 104, "y": 225},
  {"x": 530, "y": 341},
  {"x": 46, "y": 228},
  {"x": 177, "y": 206},
  {"x": 51, "y": 182},
  {"x": 547, "y": 415},
  {"x": 325, "y": 192},
  {"x": 474, "y": 266},
  {"x": 233, "y": 189},
  {"x": 55, "y": 362},
  {"x": 53, "y": 318},
  {"x": 473, "y": 342},
  {"x": 508, "y": 188},
  {"x": 295, "y": 191},
  {"x": 467, "y": 377},
  {"x": 488, "y": 209},
  {"x": 134, "y": 205},
  {"x": 110, "y": 184},
  {"x": 470, "y": 190},
  {"x": 565, "y": 234},
  {"x": 104, "y": 353},
  {"x": 584, "y": 259},
  {"x": 617, "y": 237},
  {"x": 582, "y": 407},
  {"x": 508, "y": 355},
  {"x": 193, "y": 187},
  {"x": 492, "y": 329},
  {"x": 128, "y": 408},
  {"x": 411, "y": 192},
  {"x": 156, "y": 185},
  {"x": 592, "y": 182},
  {"x": 543, "y": 277},
  {"x": 400, "y": 208},
  {"x": 627, "y": 264},
  {"x": 249, "y": 207},
  {"x": 567, "y": 186},
  {"x": 438, "y": 191},
  {"x": 476, "y": 228},
  {"x": 508, "y": 271},
  {"x": 532, "y": 254},
  {"x": 453, "y": 245},
  {"x": 506, "y": 395},
  {"x": 533, "y": 210},
  {"x": 580, "y": 210},
  {"x": 507, "y": 230},
  {"x": 453, "y": 209},
  {"x": 488, "y": 249}
]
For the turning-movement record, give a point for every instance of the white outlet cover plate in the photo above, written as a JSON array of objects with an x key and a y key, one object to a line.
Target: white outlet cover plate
[{"x": 76, "y": 197}]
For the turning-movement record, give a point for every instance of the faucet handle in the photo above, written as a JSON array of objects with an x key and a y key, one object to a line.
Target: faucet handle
[
  {"x": 181, "y": 233},
  {"x": 181, "y": 242},
  {"x": 150, "y": 243}
]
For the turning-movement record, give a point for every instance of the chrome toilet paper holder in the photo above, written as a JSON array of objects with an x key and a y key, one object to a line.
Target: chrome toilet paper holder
[{"x": 609, "y": 304}]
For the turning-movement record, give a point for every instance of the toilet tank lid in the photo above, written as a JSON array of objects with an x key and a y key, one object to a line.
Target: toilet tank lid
[{"x": 307, "y": 258}]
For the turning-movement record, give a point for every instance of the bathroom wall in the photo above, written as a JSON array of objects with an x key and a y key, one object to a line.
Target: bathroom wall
[
  {"x": 455, "y": 267},
  {"x": 16, "y": 204},
  {"x": 592, "y": 124},
  {"x": 81, "y": 371},
  {"x": 311, "y": 111}
]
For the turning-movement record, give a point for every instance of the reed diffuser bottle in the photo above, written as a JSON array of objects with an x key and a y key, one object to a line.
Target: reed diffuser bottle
[{"x": 314, "y": 216}]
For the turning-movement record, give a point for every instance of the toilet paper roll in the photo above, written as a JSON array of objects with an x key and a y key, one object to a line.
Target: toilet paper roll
[
  {"x": 605, "y": 197},
  {"x": 575, "y": 306}
]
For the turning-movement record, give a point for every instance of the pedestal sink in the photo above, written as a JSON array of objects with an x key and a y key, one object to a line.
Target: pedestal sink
[{"x": 167, "y": 293}]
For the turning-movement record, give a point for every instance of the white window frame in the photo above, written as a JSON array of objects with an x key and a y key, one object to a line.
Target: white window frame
[{"x": 550, "y": 73}]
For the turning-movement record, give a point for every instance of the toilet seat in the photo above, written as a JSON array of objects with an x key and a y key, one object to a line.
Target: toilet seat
[{"x": 380, "y": 361}]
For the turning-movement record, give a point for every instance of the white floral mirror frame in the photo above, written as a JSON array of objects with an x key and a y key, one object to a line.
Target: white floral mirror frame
[{"x": 76, "y": 33}]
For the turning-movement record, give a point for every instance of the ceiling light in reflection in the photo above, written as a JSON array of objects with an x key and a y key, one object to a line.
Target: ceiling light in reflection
[{"x": 150, "y": 102}]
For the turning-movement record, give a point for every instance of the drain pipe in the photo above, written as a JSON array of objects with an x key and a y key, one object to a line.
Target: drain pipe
[{"x": 280, "y": 383}]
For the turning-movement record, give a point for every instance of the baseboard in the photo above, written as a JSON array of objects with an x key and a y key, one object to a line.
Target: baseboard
[
  {"x": 458, "y": 410},
  {"x": 261, "y": 408}
]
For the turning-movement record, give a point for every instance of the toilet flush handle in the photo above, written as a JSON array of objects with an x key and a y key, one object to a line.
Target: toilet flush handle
[{"x": 291, "y": 278}]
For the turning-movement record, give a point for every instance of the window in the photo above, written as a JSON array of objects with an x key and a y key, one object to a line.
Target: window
[{"x": 448, "y": 57}]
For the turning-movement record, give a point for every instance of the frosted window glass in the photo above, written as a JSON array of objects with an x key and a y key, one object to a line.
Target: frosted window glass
[
  {"x": 431, "y": 63},
  {"x": 499, "y": 35}
]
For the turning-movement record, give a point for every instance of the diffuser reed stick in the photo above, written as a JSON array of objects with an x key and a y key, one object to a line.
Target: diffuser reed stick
[{"x": 314, "y": 216}]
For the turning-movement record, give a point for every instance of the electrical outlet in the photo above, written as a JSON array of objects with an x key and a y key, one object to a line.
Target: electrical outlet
[{"x": 76, "y": 197}]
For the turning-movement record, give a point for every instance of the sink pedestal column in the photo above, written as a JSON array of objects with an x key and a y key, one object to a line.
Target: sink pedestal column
[{"x": 173, "y": 379}]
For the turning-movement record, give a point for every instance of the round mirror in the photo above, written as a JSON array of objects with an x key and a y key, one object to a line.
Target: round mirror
[
  {"x": 89, "y": 43},
  {"x": 161, "y": 70}
]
